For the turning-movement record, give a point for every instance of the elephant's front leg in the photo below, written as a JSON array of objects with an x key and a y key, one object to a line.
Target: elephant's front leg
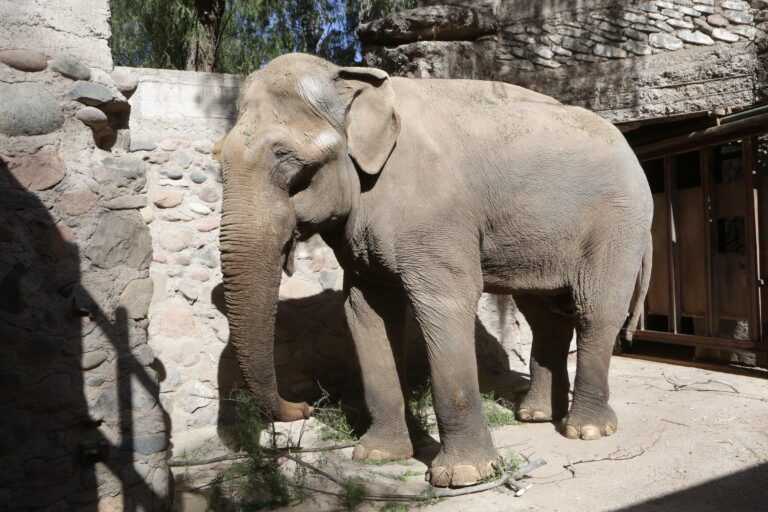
[
  {"x": 445, "y": 305},
  {"x": 375, "y": 316}
]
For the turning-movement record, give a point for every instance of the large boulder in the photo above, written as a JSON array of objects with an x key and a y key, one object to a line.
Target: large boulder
[
  {"x": 435, "y": 23},
  {"x": 27, "y": 108},
  {"x": 120, "y": 238}
]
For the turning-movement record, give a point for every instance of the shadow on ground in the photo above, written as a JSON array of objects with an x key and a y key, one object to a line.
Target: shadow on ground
[
  {"x": 322, "y": 315},
  {"x": 744, "y": 491}
]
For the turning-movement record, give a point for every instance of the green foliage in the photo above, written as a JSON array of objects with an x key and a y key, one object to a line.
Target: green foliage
[
  {"x": 418, "y": 411},
  {"x": 400, "y": 477},
  {"x": 393, "y": 506},
  {"x": 334, "y": 424},
  {"x": 430, "y": 497},
  {"x": 510, "y": 463},
  {"x": 152, "y": 33},
  {"x": 259, "y": 482},
  {"x": 158, "y": 33},
  {"x": 498, "y": 411},
  {"x": 352, "y": 492}
]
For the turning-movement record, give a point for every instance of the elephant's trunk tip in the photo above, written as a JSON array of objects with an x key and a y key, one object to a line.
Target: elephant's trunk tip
[{"x": 293, "y": 411}]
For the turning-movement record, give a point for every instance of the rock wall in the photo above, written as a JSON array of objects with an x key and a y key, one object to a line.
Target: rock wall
[
  {"x": 188, "y": 331},
  {"x": 627, "y": 60},
  {"x": 81, "y": 425}
]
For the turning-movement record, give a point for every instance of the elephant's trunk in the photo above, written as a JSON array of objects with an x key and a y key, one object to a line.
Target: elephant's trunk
[{"x": 257, "y": 222}]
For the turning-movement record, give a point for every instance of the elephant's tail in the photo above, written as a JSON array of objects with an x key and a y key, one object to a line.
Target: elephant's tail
[{"x": 642, "y": 290}]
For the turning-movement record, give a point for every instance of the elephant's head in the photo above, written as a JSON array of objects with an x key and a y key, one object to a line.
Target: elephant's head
[{"x": 306, "y": 128}]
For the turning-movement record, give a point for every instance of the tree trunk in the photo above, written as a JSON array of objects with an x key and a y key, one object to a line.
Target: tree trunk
[
  {"x": 201, "y": 55},
  {"x": 309, "y": 23}
]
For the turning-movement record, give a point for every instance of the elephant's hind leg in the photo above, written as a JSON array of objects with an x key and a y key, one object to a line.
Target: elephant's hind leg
[
  {"x": 547, "y": 398},
  {"x": 375, "y": 316}
]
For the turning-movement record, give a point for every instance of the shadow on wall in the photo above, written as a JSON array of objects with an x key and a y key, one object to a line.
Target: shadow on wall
[
  {"x": 221, "y": 106},
  {"x": 314, "y": 353},
  {"x": 52, "y": 450}
]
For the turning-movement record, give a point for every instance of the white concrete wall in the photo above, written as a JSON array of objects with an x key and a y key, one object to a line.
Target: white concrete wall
[{"x": 173, "y": 104}]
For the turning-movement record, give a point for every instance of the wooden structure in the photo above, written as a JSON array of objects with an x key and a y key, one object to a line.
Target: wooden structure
[{"x": 709, "y": 231}]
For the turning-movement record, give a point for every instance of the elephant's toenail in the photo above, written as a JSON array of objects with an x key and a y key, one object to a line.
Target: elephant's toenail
[
  {"x": 610, "y": 430},
  {"x": 590, "y": 432},
  {"x": 464, "y": 475},
  {"x": 377, "y": 455},
  {"x": 540, "y": 416},
  {"x": 524, "y": 414},
  {"x": 570, "y": 432},
  {"x": 439, "y": 476},
  {"x": 359, "y": 452}
]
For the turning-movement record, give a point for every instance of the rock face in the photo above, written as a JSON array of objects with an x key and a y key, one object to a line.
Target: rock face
[
  {"x": 92, "y": 117},
  {"x": 27, "y": 108},
  {"x": 39, "y": 171},
  {"x": 120, "y": 238},
  {"x": 127, "y": 172},
  {"x": 578, "y": 52},
  {"x": 125, "y": 82},
  {"x": 24, "y": 60},
  {"x": 82, "y": 427},
  {"x": 77, "y": 201},
  {"x": 72, "y": 68},
  {"x": 442, "y": 22},
  {"x": 89, "y": 93}
]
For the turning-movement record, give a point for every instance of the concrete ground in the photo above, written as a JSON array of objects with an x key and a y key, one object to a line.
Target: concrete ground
[{"x": 688, "y": 440}]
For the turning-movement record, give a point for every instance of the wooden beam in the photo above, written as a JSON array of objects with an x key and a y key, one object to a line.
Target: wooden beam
[
  {"x": 707, "y": 137},
  {"x": 673, "y": 250},
  {"x": 709, "y": 207},
  {"x": 702, "y": 341},
  {"x": 751, "y": 225}
]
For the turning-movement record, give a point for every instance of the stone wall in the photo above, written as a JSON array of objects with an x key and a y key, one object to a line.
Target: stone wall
[
  {"x": 188, "y": 331},
  {"x": 81, "y": 425},
  {"x": 626, "y": 60}
]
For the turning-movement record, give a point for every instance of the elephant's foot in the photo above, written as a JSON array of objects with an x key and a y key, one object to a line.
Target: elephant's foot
[
  {"x": 456, "y": 471},
  {"x": 533, "y": 409},
  {"x": 590, "y": 423},
  {"x": 533, "y": 415},
  {"x": 379, "y": 447}
]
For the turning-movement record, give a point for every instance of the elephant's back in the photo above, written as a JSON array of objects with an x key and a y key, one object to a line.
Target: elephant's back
[
  {"x": 515, "y": 147},
  {"x": 498, "y": 113},
  {"x": 463, "y": 93}
]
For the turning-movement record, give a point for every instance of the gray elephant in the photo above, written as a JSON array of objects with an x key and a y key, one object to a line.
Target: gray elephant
[{"x": 431, "y": 192}]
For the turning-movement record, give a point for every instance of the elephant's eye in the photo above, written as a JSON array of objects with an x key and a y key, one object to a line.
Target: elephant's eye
[{"x": 280, "y": 154}]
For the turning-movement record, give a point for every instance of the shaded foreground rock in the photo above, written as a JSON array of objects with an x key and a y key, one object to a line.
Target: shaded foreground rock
[{"x": 39, "y": 171}]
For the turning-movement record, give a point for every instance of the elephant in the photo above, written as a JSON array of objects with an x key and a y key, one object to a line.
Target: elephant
[{"x": 431, "y": 192}]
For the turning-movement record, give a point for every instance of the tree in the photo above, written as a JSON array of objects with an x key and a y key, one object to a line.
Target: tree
[
  {"x": 204, "y": 42},
  {"x": 238, "y": 36}
]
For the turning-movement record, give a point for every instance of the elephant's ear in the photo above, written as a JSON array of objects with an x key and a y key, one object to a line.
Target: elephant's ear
[{"x": 372, "y": 123}]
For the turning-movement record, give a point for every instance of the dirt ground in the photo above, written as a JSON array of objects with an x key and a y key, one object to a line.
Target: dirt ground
[{"x": 688, "y": 440}]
